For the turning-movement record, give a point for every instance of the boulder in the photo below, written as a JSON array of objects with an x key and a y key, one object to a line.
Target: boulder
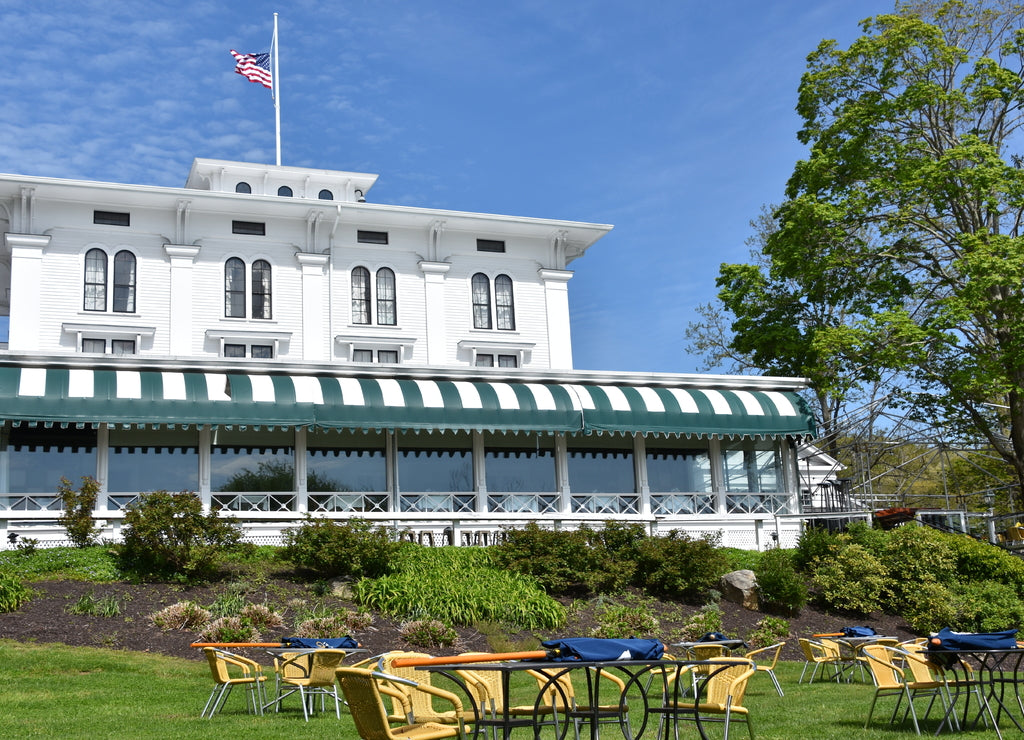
[{"x": 740, "y": 587}]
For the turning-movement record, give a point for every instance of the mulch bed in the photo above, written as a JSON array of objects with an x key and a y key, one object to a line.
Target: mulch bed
[{"x": 45, "y": 619}]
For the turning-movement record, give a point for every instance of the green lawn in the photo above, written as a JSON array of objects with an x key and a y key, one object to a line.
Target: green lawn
[{"x": 56, "y": 691}]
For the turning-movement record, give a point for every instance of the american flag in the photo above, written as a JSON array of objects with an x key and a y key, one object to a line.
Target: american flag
[{"x": 255, "y": 68}]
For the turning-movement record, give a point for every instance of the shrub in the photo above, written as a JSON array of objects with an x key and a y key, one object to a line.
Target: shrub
[
  {"x": 814, "y": 543},
  {"x": 768, "y": 631},
  {"x": 76, "y": 518},
  {"x": 338, "y": 624},
  {"x": 428, "y": 633},
  {"x": 261, "y": 617},
  {"x": 928, "y": 607},
  {"x": 13, "y": 593},
  {"x": 780, "y": 588},
  {"x": 915, "y": 555},
  {"x": 351, "y": 549},
  {"x": 979, "y": 561},
  {"x": 623, "y": 621},
  {"x": 680, "y": 567},
  {"x": 184, "y": 615},
  {"x": 229, "y": 629},
  {"x": 987, "y": 606},
  {"x": 706, "y": 619},
  {"x": 852, "y": 579},
  {"x": 558, "y": 559},
  {"x": 167, "y": 536}
]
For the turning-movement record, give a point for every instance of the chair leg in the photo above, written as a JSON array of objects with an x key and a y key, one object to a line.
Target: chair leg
[{"x": 775, "y": 680}]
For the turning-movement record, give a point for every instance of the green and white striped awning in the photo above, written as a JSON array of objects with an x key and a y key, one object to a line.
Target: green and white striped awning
[{"x": 192, "y": 397}]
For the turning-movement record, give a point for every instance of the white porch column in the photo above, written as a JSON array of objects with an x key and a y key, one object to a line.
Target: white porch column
[
  {"x": 103, "y": 466},
  {"x": 480, "y": 472},
  {"x": 299, "y": 453},
  {"x": 436, "y": 321},
  {"x": 556, "y": 303},
  {"x": 562, "y": 474},
  {"x": 26, "y": 289},
  {"x": 717, "y": 473},
  {"x": 182, "y": 261},
  {"x": 205, "y": 465},
  {"x": 314, "y": 309},
  {"x": 643, "y": 485}
]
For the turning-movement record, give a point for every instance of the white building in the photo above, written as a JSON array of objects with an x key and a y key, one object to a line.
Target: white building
[{"x": 269, "y": 338}]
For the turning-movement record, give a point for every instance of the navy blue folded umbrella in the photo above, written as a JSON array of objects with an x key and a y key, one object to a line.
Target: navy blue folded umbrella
[
  {"x": 858, "y": 632},
  {"x": 601, "y": 648},
  {"x": 308, "y": 643},
  {"x": 947, "y": 639}
]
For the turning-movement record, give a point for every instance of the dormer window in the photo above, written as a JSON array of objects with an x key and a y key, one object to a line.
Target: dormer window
[{"x": 243, "y": 187}]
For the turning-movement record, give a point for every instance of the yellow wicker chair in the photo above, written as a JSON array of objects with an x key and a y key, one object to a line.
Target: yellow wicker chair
[
  {"x": 363, "y": 691},
  {"x": 311, "y": 674},
  {"x": 818, "y": 656},
  {"x": 891, "y": 680},
  {"x": 721, "y": 694},
  {"x": 420, "y": 702},
  {"x": 559, "y": 699},
  {"x": 765, "y": 659},
  {"x": 230, "y": 670},
  {"x": 847, "y": 658}
]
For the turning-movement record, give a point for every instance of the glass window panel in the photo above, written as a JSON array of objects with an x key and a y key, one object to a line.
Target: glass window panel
[
  {"x": 756, "y": 468},
  {"x": 234, "y": 288},
  {"x": 362, "y": 355},
  {"x": 234, "y": 350},
  {"x": 134, "y": 470},
  {"x": 387, "y": 356},
  {"x": 601, "y": 471},
  {"x": 122, "y": 346},
  {"x": 522, "y": 469},
  {"x": 485, "y": 360},
  {"x": 262, "y": 352},
  {"x": 94, "y": 346},
  {"x": 679, "y": 470},
  {"x": 261, "y": 290},
  {"x": 504, "y": 306},
  {"x": 95, "y": 280},
  {"x": 342, "y": 469},
  {"x": 386, "y": 302},
  {"x": 38, "y": 458},
  {"x": 441, "y": 467},
  {"x": 124, "y": 282},
  {"x": 360, "y": 296},
  {"x": 481, "y": 302},
  {"x": 252, "y": 461},
  {"x": 508, "y": 361}
]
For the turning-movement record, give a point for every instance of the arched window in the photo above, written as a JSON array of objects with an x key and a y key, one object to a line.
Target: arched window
[
  {"x": 95, "y": 280},
  {"x": 284, "y": 191},
  {"x": 326, "y": 195},
  {"x": 386, "y": 313},
  {"x": 234, "y": 288},
  {"x": 481, "y": 301},
  {"x": 261, "y": 289},
  {"x": 243, "y": 187},
  {"x": 360, "y": 296},
  {"x": 124, "y": 282},
  {"x": 504, "y": 307}
]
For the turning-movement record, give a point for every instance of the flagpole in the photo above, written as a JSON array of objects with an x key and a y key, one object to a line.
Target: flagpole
[{"x": 277, "y": 91}]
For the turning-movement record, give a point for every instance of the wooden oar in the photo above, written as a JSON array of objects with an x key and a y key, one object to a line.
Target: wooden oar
[{"x": 476, "y": 658}]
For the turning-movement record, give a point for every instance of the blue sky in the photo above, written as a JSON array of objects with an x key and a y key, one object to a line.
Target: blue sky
[{"x": 672, "y": 120}]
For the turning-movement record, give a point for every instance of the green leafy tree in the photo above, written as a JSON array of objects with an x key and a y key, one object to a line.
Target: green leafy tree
[{"x": 907, "y": 214}]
